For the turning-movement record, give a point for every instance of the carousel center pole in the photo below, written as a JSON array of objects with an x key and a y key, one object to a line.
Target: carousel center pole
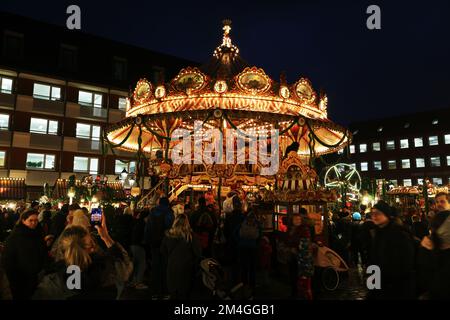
[{"x": 166, "y": 178}]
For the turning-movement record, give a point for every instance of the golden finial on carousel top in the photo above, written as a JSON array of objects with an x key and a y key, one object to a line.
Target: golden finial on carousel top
[{"x": 226, "y": 41}]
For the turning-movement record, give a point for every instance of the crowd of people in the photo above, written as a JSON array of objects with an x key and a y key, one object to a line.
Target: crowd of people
[
  {"x": 411, "y": 248},
  {"x": 160, "y": 248}
]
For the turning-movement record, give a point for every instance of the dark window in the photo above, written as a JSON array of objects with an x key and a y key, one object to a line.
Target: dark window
[
  {"x": 119, "y": 69},
  {"x": 68, "y": 57},
  {"x": 13, "y": 45}
]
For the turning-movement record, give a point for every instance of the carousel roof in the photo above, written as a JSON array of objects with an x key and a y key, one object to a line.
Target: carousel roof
[{"x": 245, "y": 95}]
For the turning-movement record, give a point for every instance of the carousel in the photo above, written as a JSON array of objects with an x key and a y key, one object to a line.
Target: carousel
[{"x": 230, "y": 95}]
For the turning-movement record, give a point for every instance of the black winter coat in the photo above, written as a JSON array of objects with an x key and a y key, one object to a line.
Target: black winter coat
[
  {"x": 393, "y": 250},
  {"x": 25, "y": 256},
  {"x": 97, "y": 282},
  {"x": 182, "y": 261}
]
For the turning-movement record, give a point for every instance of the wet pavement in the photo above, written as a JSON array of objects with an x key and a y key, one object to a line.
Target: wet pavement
[{"x": 351, "y": 287}]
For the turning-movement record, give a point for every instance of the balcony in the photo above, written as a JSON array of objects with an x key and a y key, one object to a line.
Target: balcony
[
  {"x": 45, "y": 141},
  {"x": 82, "y": 145},
  {"x": 5, "y": 138},
  {"x": 36, "y": 140},
  {"x": 48, "y": 106},
  {"x": 7, "y": 100},
  {"x": 86, "y": 112}
]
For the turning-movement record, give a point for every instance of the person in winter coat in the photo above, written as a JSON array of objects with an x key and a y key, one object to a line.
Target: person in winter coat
[
  {"x": 181, "y": 249},
  {"x": 160, "y": 219},
  {"x": 419, "y": 228},
  {"x": 25, "y": 256},
  {"x": 231, "y": 224},
  {"x": 138, "y": 250},
  {"x": 366, "y": 238},
  {"x": 247, "y": 235},
  {"x": 393, "y": 251},
  {"x": 59, "y": 221},
  {"x": 46, "y": 222},
  {"x": 100, "y": 272},
  {"x": 343, "y": 235},
  {"x": 355, "y": 244},
  {"x": 433, "y": 261},
  {"x": 203, "y": 224},
  {"x": 123, "y": 224},
  {"x": 297, "y": 242},
  {"x": 5, "y": 291}
]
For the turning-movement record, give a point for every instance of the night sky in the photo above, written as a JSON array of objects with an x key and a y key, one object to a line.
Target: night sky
[{"x": 402, "y": 68}]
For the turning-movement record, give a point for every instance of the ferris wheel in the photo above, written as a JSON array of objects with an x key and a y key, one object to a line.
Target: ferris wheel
[{"x": 343, "y": 175}]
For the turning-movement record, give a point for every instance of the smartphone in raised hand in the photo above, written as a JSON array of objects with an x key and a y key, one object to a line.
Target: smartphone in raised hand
[{"x": 96, "y": 216}]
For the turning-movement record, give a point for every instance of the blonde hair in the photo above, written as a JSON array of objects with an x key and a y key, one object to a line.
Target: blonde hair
[
  {"x": 181, "y": 228},
  {"x": 72, "y": 247},
  {"x": 80, "y": 219}
]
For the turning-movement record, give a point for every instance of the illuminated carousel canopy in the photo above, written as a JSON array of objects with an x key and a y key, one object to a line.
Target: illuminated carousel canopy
[{"x": 227, "y": 92}]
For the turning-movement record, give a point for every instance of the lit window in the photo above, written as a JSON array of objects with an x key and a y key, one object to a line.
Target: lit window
[
  {"x": 435, "y": 161},
  {"x": 376, "y": 146},
  {"x": 392, "y": 164},
  {"x": 420, "y": 181},
  {"x": 406, "y": 126},
  {"x": 447, "y": 139},
  {"x": 43, "y": 126},
  {"x": 84, "y": 164},
  {"x": 87, "y": 131},
  {"x": 418, "y": 142},
  {"x": 363, "y": 148},
  {"x": 87, "y": 98},
  {"x": 404, "y": 144},
  {"x": 5, "y": 85},
  {"x": 377, "y": 165},
  {"x": 435, "y": 121},
  {"x": 380, "y": 129},
  {"x": 352, "y": 148},
  {"x": 123, "y": 104},
  {"x": 390, "y": 145},
  {"x": 407, "y": 182},
  {"x": 130, "y": 167},
  {"x": 420, "y": 163},
  {"x": 433, "y": 141},
  {"x": 4, "y": 121},
  {"x": 448, "y": 160},
  {"x": 40, "y": 161},
  {"x": 42, "y": 91},
  {"x": 406, "y": 164},
  {"x": 2, "y": 158},
  {"x": 437, "y": 181},
  {"x": 364, "y": 166}
]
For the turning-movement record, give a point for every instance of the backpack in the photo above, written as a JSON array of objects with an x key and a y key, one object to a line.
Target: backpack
[{"x": 249, "y": 231}]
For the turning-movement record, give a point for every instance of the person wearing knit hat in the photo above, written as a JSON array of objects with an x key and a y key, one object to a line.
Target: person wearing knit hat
[{"x": 393, "y": 251}]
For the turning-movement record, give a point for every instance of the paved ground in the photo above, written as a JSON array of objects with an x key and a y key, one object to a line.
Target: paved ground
[{"x": 351, "y": 288}]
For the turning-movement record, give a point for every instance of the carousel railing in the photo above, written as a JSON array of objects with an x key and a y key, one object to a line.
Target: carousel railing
[{"x": 143, "y": 201}]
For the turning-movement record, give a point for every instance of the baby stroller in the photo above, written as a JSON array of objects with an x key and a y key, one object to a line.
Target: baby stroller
[
  {"x": 213, "y": 277},
  {"x": 330, "y": 265}
]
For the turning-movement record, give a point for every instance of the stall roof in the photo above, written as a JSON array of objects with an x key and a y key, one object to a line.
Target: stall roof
[{"x": 12, "y": 189}]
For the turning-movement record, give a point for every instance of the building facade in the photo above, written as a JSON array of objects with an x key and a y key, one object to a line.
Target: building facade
[
  {"x": 404, "y": 149},
  {"x": 58, "y": 90}
]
